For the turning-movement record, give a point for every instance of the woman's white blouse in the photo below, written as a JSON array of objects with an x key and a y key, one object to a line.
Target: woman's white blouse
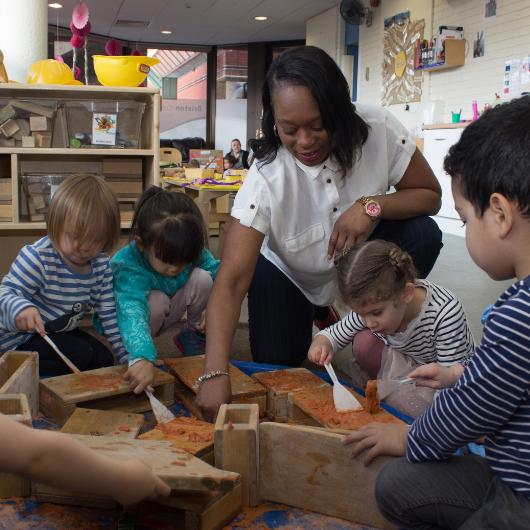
[{"x": 296, "y": 206}]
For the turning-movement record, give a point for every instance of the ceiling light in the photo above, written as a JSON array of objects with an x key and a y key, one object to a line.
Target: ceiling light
[
  {"x": 260, "y": 18},
  {"x": 166, "y": 32},
  {"x": 55, "y": 5}
]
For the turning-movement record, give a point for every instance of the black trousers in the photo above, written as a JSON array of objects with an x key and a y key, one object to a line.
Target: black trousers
[
  {"x": 281, "y": 317},
  {"x": 84, "y": 350}
]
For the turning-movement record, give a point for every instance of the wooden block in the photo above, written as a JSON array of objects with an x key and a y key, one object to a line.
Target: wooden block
[
  {"x": 43, "y": 139},
  {"x": 23, "y": 129},
  {"x": 190, "y": 434},
  {"x": 6, "y": 211},
  {"x": 309, "y": 469},
  {"x": 39, "y": 123},
  {"x": 244, "y": 388},
  {"x": 122, "y": 166},
  {"x": 7, "y": 142},
  {"x": 279, "y": 383},
  {"x": 236, "y": 446},
  {"x": 19, "y": 374},
  {"x": 9, "y": 128},
  {"x": 104, "y": 422},
  {"x": 16, "y": 407},
  {"x": 5, "y": 189},
  {"x": 318, "y": 403},
  {"x": 32, "y": 107},
  {"x": 7, "y": 113},
  {"x": 177, "y": 468},
  {"x": 102, "y": 389},
  {"x": 28, "y": 141},
  {"x": 125, "y": 187}
]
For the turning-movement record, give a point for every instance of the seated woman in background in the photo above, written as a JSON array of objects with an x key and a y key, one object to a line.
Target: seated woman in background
[{"x": 240, "y": 155}]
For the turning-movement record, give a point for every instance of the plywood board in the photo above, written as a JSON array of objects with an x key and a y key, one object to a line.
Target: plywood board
[
  {"x": 104, "y": 422},
  {"x": 19, "y": 374},
  {"x": 318, "y": 403},
  {"x": 279, "y": 383},
  {"x": 192, "y": 435},
  {"x": 311, "y": 469},
  {"x": 102, "y": 389},
  {"x": 244, "y": 388},
  {"x": 180, "y": 470}
]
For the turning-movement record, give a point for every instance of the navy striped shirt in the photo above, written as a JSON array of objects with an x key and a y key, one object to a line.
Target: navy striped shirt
[
  {"x": 39, "y": 278},
  {"x": 491, "y": 398},
  {"x": 439, "y": 333}
]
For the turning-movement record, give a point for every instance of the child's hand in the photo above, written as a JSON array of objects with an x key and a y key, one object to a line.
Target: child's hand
[
  {"x": 137, "y": 482},
  {"x": 434, "y": 375},
  {"x": 29, "y": 319},
  {"x": 140, "y": 376},
  {"x": 380, "y": 439},
  {"x": 320, "y": 351}
]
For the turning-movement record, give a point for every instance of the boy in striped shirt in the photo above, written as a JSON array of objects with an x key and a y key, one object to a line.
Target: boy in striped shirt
[{"x": 432, "y": 488}]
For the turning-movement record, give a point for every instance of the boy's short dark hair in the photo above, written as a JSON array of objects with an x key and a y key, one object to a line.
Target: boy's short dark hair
[
  {"x": 230, "y": 158},
  {"x": 493, "y": 155}
]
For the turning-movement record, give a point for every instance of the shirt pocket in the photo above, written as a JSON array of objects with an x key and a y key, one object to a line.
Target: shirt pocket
[{"x": 305, "y": 239}]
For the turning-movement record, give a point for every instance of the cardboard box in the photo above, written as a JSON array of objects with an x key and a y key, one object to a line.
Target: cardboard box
[{"x": 208, "y": 158}]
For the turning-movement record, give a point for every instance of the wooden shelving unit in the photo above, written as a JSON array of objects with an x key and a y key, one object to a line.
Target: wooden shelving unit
[
  {"x": 455, "y": 54},
  {"x": 15, "y": 161}
]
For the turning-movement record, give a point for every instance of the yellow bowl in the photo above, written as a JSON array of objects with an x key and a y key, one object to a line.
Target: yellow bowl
[{"x": 122, "y": 70}]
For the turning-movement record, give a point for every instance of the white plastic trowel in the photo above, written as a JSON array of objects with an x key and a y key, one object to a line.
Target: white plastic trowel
[
  {"x": 344, "y": 400},
  {"x": 161, "y": 412}
]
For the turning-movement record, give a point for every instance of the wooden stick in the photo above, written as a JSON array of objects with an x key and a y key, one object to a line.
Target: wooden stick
[{"x": 65, "y": 359}]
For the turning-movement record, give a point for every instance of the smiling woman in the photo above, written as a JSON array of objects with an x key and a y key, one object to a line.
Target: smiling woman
[{"x": 319, "y": 185}]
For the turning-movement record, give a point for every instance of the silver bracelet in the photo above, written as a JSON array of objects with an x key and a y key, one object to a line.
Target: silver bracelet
[{"x": 210, "y": 375}]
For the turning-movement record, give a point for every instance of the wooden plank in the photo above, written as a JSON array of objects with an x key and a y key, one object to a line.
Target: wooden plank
[
  {"x": 180, "y": 470},
  {"x": 190, "y": 434},
  {"x": 102, "y": 389},
  {"x": 236, "y": 446},
  {"x": 305, "y": 468},
  {"x": 104, "y": 422},
  {"x": 244, "y": 388},
  {"x": 318, "y": 403},
  {"x": 16, "y": 407},
  {"x": 19, "y": 374},
  {"x": 279, "y": 383}
]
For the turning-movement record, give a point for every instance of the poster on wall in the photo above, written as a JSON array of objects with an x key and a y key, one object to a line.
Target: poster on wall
[
  {"x": 512, "y": 74},
  {"x": 401, "y": 83},
  {"x": 479, "y": 44},
  {"x": 491, "y": 8}
]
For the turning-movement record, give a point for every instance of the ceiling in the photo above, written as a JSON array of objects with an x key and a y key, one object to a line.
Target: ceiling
[{"x": 197, "y": 21}]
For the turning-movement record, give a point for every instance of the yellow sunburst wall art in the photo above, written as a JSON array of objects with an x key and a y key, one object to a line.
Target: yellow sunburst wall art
[{"x": 401, "y": 84}]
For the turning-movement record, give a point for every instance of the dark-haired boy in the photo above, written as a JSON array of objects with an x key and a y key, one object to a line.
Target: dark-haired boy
[{"x": 431, "y": 488}]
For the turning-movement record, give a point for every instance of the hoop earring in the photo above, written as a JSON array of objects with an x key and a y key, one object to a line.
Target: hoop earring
[{"x": 275, "y": 129}]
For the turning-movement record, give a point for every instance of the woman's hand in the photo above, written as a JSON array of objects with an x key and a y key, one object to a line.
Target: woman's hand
[
  {"x": 29, "y": 319},
  {"x": 140, "y": 376},
  {"x": 380, "y": 439},
  {"x": 434, "y": 375},
  {"x": 320, "y": 351},
  {"x": 351, "y": 228},
  {"x": 212, "y": 394}
]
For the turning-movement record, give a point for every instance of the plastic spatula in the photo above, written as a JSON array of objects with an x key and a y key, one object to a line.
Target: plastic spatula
[
  {"x": 161, "y": 412},
  {"x": 344, "y": 401},
  {"x": 64, "y": 358},
  {"x": 385, "y": 387}
]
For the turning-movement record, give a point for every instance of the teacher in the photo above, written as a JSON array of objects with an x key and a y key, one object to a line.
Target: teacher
[{"x": 320, "y": 183}]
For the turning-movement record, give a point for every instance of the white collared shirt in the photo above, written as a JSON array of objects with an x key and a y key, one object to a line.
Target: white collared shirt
[{"x": 296, "y": 206}]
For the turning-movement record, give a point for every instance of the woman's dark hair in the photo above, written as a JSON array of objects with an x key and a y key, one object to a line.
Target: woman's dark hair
[
  {"x": 171, "y": 224},
  {"x": 313, "y": 68},
  {"x": 374, "y": 271}
]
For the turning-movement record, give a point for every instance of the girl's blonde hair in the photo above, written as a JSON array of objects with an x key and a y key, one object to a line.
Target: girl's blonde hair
[
  {"x": 86, "y": 206},
  {"x": 374, "y": 271}
]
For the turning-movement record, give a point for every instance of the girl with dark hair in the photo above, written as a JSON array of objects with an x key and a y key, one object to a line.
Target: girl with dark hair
[
  {"x": 318, "y": 185},
  {"x": 162, "y": 273}
]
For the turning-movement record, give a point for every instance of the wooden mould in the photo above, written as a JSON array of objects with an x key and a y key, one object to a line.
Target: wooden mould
[
  {"x": 318, "y": 403},
  {"x": 192, "y": 435},
  {"x": 187, "y": 369},
  {"x": 102, "y": 389},
  {"x": 180, "y": 470},
  {"x": 104, "y": 422},
  {"x": 279, "y": 384},
  {"x": 310, "y": 468},
  {"x": 16, "y": 407},
  {"x": 19, "y": 374}
]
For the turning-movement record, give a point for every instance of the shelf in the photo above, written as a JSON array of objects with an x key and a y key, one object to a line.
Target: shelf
[
  {"x": 124, "y": 225},
  {"x": 75, "y": 152},
  {"x": 455, "y": 55}
]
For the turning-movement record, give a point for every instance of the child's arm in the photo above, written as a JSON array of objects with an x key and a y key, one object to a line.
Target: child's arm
[
  {"x": 342, "y": 333},
  {"x": 24, "y": 279},
  {"x": 61, "y": 461},
  {"x": 321, "y": 350}
]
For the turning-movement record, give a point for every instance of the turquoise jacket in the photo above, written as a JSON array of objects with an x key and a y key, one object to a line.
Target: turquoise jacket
[{"x": 134, "y": 279}]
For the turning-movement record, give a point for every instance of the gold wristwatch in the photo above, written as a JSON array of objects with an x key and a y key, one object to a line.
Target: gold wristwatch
[{"x": 371, "y": 207}]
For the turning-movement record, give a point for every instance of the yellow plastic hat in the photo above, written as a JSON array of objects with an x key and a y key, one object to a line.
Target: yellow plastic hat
[
  {"x": 122, "y": 70},
  {"x": 51, "y": 72}
]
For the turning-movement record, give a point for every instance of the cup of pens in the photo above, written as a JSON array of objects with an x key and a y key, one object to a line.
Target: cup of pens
[{"x": 455, "y": 116}]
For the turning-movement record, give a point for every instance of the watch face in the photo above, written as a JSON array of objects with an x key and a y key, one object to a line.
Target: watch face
[{"x": 373, "y": 209}]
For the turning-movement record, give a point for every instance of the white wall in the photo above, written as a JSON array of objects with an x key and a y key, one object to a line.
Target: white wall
[{"x": 230, "y": 123}]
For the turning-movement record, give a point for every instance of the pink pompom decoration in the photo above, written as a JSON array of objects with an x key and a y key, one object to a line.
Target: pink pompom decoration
[
  {"x": 77, "y": 72},
  {"x": 80, "y": 15},
  {"x": 84, "y": 31},
  {"x": 113, "y": 47},
  {"x": 136, "y": 51},
  {"x": 59, "y": 58},
  {"x": 77, "y": 41}
]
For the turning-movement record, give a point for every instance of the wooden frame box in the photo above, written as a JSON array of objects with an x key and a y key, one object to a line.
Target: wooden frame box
[{"x": 104, "y": 423}]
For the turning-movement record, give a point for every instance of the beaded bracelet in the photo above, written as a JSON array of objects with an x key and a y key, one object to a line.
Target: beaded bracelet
[{"x": 210, "y": 375}]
